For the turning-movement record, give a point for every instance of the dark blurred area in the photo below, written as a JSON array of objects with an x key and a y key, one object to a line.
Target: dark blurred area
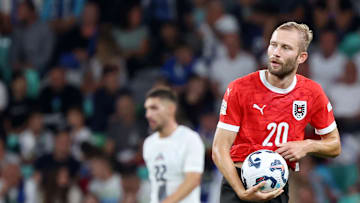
[{"x": 74, "y": 73}]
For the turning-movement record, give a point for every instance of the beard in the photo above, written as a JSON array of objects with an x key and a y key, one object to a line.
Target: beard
[
  {"x": 286, "y": 68},
  {"x": 156, "y": 127}
]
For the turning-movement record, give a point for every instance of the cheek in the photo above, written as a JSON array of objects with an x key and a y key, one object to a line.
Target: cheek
[{"x": 269, "y": 51}]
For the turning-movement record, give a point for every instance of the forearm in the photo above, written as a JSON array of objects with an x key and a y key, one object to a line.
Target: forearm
[
  {"x": 328, "y": 146},
  {"x": 190, "y": 183},
  {"x": 224, "y": 163}
]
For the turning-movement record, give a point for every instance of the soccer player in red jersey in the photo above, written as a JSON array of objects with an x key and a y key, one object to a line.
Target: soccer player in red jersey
[{"x": 269, "y": 109}]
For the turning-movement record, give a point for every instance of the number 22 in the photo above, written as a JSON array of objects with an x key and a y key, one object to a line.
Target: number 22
[{"x": 281, "y": 129}]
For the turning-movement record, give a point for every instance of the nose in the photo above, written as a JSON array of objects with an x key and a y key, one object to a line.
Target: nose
[
  {"x": 147, "y": 114},
  {"x": 276, "y": 51}
]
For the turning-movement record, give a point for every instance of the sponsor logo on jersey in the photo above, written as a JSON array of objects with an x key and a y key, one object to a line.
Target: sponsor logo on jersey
[
  {"x": 223, "y": 107},
  {"x": 329, "y": 107},
  {"x": 255, "y": 106},
  {"x": 159, "y": 157},
  {"x": 299, "y": 110},
  {"x": 228, "y": 90}
]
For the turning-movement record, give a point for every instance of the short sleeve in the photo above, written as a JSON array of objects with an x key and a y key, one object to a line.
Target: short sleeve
[
  {"x": 195, "y": 155},
  {"x": 230, "y": 111},
  {"x": 323, "y": 116}
]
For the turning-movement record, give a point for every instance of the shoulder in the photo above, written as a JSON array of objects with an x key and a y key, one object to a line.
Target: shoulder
[
  {"x": 309, "y": 84},
  {"x": 245, "y": 81},
  {"x": 188, "y": 135},
  {"x": 150, "y": 139}
]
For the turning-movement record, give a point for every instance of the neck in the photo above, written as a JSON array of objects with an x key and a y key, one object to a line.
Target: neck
[
  {"x": 168, "y": 129},
  {"x": 36, "y": 131},
  {"x": 282, "y": 83},
  {"x": 77, "y": 128},
  {"x": 233, "y": 54},
  {"x": 107, "y": 174}
]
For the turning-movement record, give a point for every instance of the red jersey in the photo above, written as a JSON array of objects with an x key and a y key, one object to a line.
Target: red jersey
[{"x": 265, "y": 116}]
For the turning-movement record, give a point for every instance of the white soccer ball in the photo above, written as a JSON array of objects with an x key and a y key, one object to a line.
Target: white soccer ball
[{"x": 264, "y": 165}]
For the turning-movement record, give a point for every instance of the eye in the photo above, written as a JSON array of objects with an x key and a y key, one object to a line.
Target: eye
[
  {"x": 273, "y": 44},
  {"x": 286, "y": 47}
]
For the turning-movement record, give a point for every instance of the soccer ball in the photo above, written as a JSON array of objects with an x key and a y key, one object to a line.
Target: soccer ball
[{"x": 264, "y": 165}]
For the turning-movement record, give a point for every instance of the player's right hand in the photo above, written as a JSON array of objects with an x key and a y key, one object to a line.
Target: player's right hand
[{"x": 254, "y": 194}]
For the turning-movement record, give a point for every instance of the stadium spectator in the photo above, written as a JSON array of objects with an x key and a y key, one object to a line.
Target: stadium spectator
[
  {"x": 10, "y": 178},
  {"x": 165, "y": 43},
  {"x": 158, "y": 12},
  {"x": 133, "y": 40},
  {"x": 211, "y": 41},
  {"x": 57, "y": 97},
  {"x": 79, "y": 133},
  {"x": 77, "y": 45},
  {"x": 347, "y": 111},
  {"x": 125, "y": 132},
  {"x": 20, "y": 104},
  {"x": 178, "y": 69},
  {"x": 327, "y": 64},
  {"x": 106, "y": 184},
  {"x": 59, "y": 157},
  {"x": 32, "y": 40},
  {"x": 58, "y": 186},
  {"x": 90, "y": 198},
  {"x": 61, "y": 14},
  {"x": 5, "y": 44},
  {"x": 11, "y": 183},
  {"x": 196, "y": 99},
  {"x": 104, "y": 99},
  {"x": 107, "y": 53},
  {"x": 235, "y": 63},
  {"x": 35, "y": 141}
]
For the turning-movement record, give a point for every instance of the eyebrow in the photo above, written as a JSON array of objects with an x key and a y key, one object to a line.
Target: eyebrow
[{"x": 282, "y": 44}]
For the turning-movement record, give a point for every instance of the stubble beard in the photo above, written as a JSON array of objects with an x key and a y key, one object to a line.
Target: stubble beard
[{"x": 286, "y": 68}]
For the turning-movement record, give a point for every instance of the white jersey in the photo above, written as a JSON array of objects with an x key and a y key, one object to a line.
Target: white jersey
[{"x": 168, "y": 159}]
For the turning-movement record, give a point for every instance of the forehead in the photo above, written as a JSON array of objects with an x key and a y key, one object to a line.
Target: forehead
[
  {"x": 288, "y": 37},
  {"x": 151, "y": 101}
]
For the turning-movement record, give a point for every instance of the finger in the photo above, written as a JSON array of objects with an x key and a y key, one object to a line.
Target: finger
[
  {"x": 293, "y": 159},
  {"x": 277, "y": 193},
  {"x": 285, "y": 153},
  {"x": 288, "y": 157},
  {"x": 282, "y": 149},
  {"x": 274, "y": 194},
  {"x": 257, "y": 187}
]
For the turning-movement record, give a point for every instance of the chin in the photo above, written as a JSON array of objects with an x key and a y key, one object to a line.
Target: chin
[{"x": 280, "y": 73}]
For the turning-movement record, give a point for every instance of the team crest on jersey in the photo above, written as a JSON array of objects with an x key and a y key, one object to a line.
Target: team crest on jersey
[{"x": 299, "y": 110}]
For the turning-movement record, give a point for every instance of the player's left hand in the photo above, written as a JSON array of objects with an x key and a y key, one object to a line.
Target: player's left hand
[{"x": 293, "y": 151}]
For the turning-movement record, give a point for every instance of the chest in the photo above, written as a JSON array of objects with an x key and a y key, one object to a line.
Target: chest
[
  {"x": 277, "y": 107},
  {"x": 165, "y": 157}
]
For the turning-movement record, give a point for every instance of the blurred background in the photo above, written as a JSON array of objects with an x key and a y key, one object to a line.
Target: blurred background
[{"x": 74, "y": 74}]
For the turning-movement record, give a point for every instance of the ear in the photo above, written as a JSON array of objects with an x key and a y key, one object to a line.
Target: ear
[
  {"x": 302, "y": 57},
  {"x": 172, "y": 108}
]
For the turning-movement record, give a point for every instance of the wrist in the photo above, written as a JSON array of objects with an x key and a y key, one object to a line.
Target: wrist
[
  {"x": 240, "y": 193},
  {"x": 309, "y": 149}
]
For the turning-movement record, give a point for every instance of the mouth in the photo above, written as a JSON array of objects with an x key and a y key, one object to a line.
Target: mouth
[
  {"x": 275, "y": 63},
  {"x": 152, "y": 122}
]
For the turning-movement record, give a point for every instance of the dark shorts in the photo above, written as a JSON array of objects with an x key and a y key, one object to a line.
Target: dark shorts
[{"x": 229, "y": 196}]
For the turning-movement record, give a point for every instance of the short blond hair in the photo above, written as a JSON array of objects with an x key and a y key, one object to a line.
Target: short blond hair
[{"x": 303, "y": 29}]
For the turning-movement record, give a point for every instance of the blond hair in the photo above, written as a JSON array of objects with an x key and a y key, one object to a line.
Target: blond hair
[{"x": 305, "y": 33}]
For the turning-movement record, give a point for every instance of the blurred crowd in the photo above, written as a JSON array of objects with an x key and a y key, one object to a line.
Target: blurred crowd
[{"x": 74, "y": 74}]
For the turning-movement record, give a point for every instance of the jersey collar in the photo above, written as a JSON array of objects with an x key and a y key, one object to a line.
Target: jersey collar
[{"x": 276, "y": 89}]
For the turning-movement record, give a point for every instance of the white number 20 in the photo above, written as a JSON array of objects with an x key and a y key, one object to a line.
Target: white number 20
[{"x": 281, "y": 129}]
